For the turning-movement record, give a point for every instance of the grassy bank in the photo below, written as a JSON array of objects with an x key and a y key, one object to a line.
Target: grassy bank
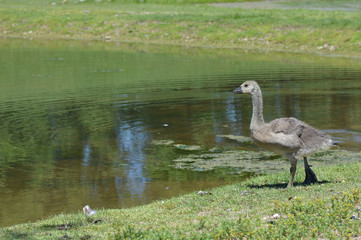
[
  {"x": 325, "y": 32},
  {"x": 256, "y": 209}
]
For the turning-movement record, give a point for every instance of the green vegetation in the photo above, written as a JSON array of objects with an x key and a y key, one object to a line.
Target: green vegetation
[
  {"x": 256, "y": 209},
  {"x": 328, "y": 32}
]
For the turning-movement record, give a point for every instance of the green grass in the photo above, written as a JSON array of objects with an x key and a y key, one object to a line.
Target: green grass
[
  {"x": 328, "y": 32},
  {"x": 102, "y": 2},
  {"x": 259, "y": 208}
]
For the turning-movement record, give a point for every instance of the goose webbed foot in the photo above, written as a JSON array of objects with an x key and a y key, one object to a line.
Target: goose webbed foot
[{"x": 310, "y": 175}]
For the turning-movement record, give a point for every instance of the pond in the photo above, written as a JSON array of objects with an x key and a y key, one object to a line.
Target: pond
[{"x": 115, "y": 125}]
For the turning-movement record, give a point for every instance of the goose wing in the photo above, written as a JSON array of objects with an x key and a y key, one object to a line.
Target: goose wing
[
  {"x": 288, "y": 126},
  {"x": 312, "y": 139}
]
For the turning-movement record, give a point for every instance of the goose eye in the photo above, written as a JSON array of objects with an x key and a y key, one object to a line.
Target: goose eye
[{"x": 246, "y": 85}]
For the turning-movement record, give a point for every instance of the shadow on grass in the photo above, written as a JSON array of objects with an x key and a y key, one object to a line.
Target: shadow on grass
[
  {"x": 284, "y": 185},
  {"x": 56, "y": 227},
  {"x": 10, "y": 234}
]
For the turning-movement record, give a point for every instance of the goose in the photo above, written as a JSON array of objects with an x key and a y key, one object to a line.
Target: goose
[{"x": 289, "y": 137}]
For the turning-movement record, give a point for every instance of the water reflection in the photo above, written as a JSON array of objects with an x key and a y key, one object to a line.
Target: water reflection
[
  {"x": 131, "y": 141},
  {"x": 78, "y": 122},
  {"x": 86, "y": 153}
]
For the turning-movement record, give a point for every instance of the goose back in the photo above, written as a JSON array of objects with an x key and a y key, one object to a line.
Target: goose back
[{"x": 290, "y": 135}]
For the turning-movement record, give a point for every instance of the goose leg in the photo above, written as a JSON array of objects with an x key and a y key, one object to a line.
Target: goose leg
[
  {"x": 310, "y": 175},
  {"x": 292, "y": 171}
]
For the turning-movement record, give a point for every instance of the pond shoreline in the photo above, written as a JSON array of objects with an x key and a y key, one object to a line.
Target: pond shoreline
[
  {"x": 200, "y": 25},
  {"x": 189, "y": 45},
  {"x": 177, "y": 169},
  {"x": 255, "y": 208}
]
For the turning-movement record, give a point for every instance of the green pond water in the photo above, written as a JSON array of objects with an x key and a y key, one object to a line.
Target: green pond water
[{"x": 117, "y": 125}]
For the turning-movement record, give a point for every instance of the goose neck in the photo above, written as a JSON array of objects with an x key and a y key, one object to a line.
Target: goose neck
[{"x": 257, "y": 115}]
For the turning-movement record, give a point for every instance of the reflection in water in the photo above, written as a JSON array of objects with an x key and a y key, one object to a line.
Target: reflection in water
[
  {"x": 77, "y": 123},
  {"x": 86, "y": 154},
  {"x": 131, "y": 142}
]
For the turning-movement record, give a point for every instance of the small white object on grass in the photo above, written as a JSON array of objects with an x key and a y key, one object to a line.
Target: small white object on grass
[
  {"x": 88, "y": 211},
  {"x": 201, "y": 193}
]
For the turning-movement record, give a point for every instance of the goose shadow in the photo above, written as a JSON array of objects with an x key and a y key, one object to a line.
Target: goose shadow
[{"x": 284, "y": 185}]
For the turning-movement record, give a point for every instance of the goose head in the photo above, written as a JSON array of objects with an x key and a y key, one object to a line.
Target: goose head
[{"x": 248, "y": 87}]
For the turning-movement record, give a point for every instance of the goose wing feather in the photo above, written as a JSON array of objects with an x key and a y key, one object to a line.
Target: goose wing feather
[
  {"x": 311, "y": 138},
  {"x": 287, "y": 126}
]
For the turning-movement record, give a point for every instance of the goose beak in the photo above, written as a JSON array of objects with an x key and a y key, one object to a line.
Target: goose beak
[{"x": 238, "y": 90}]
